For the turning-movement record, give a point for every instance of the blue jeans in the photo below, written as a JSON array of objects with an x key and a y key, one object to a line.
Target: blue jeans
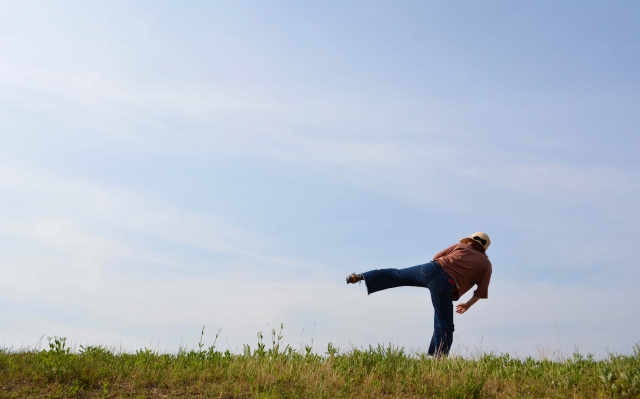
[{"x": 440, "y": 284}]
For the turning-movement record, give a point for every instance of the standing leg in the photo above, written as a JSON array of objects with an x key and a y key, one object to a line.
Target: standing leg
[
  {"x": 432, "y": 344},
  {"x": 416, "y": 276},
  {"x": 441, "y": 292}
]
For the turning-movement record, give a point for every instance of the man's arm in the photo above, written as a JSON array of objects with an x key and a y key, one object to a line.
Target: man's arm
[{"x": 463, "y": 307}]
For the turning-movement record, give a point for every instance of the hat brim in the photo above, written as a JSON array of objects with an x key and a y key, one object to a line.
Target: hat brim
[{"x": 472, "y": 239}]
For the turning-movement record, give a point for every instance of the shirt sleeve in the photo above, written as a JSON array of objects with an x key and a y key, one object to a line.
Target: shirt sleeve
[
  {"x": 444, "y": 252},
  {"x": 483, "y": 285}
]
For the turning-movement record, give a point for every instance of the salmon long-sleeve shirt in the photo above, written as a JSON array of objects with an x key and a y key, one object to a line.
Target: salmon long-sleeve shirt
[{"x": 467, "y": 267}]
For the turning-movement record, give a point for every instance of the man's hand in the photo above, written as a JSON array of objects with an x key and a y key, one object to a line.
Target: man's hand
[{"x": 463, "y": 307}]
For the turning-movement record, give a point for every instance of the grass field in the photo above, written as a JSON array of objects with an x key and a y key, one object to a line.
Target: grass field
[{"x": 277, "y": 371}]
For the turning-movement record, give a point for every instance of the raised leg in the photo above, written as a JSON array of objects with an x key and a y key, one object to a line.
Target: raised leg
[{"x": 382, "y": 279}]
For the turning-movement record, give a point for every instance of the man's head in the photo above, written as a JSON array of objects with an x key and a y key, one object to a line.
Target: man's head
[{"x": 478, "y": 238}]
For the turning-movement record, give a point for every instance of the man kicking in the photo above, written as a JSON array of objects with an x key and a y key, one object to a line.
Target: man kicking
[{"x": 450, "y": 274}]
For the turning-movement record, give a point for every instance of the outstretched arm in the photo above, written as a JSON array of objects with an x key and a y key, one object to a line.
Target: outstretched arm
[{"x": 463, "y": 307}]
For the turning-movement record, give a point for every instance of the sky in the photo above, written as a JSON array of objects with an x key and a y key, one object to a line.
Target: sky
[{"x": 170, "y": 165}]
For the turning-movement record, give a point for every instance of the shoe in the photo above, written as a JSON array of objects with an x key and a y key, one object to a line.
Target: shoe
[{"x": 354, "y": 278}]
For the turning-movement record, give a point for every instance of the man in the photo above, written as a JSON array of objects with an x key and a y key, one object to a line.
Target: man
[{"x": 451, "y": 273}]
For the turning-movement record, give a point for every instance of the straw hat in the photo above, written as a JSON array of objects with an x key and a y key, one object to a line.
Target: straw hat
[{"x": 481, "y": 238}]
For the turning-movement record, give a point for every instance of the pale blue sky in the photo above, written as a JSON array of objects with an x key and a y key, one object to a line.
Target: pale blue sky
[{"x": 167, "y": 165}]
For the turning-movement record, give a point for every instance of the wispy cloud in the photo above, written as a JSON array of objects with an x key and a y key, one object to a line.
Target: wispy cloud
[
  {"x": 557, "y": 181},
  {"x": 60, "y": 213},
  {"x": 157, "y": 176}
]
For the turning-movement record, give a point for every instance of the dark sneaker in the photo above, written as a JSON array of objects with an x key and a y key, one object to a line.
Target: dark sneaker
[{"x": 354, "y": 278}]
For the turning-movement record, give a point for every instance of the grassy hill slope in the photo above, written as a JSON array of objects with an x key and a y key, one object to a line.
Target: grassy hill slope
[{"x": 282, "y": 372}]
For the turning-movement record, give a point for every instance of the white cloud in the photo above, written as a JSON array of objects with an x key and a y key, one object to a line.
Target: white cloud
[
  {"x": 555, "y": 181},
  {"x": 73, "y": 269},
  {"x": 102, "y": 261},
  {"x": 72, "y": 214},
  {"x": 518, "y": 316}
]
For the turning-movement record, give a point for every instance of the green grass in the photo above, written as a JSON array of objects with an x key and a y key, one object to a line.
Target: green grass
[{"x": 282, "y": 372}]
